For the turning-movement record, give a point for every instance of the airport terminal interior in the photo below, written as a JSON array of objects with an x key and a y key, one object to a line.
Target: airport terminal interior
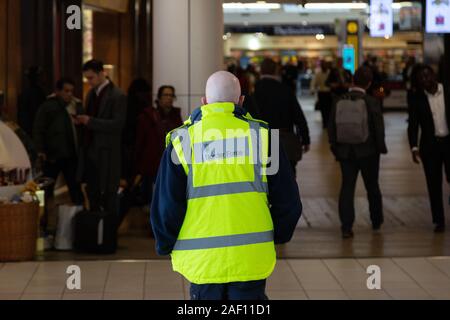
[{"x": 180, "y": 43}]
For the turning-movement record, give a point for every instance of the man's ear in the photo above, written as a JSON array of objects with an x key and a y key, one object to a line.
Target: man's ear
[
  {"x": 241, "y": 101},
  {"x": 204, "y": 101}
]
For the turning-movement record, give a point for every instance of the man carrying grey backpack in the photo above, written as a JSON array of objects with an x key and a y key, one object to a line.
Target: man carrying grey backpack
[{"x": 357, "y": 138}]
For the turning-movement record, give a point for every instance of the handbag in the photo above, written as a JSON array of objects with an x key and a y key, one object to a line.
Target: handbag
[{"x": 65, "y": 228}]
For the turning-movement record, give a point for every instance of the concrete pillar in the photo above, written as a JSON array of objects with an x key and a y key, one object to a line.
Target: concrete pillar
[{"x": 187, "y": 47}]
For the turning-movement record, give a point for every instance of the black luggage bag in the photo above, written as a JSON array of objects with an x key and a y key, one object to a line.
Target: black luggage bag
[{"x": 95, "y": 232}]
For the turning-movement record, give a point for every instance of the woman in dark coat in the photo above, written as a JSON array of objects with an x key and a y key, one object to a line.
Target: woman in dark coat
[{"x": 152, "y": 127}]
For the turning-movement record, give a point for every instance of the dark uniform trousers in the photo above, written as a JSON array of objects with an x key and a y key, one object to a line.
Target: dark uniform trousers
[{"x": 253, "y": 290}]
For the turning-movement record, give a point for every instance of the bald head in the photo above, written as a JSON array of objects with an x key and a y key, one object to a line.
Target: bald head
[{"x": 223, "y": 86}]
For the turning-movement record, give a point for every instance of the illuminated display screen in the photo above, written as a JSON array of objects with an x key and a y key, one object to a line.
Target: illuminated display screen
[
  {"x": 438, "y": 16},
  {"x": 381, "y": 18}
]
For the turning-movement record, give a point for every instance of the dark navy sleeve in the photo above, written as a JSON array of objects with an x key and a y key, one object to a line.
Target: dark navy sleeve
[
  {"x": 169, "y": 203},
  {"x": 284, "y": 198}
]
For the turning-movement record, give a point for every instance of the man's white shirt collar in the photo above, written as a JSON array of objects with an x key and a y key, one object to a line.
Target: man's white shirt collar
[{"x": 101, "y": 87}]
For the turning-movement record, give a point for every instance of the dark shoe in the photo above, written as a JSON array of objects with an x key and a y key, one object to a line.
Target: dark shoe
[
  {"x": 440, "y": 228},
  {"x": 347, "y": 234},
  {"x": 376, "y": 227}
]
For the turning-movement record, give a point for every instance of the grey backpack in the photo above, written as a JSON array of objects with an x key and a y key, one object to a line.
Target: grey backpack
[{"x": 352, "y": 121}]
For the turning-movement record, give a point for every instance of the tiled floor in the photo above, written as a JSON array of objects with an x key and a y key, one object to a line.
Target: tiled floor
[{"x": 401, "y": 278}]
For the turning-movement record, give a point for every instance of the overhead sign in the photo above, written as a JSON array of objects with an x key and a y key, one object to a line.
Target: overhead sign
[
  {"x": 381, "y": 18},
  {"x": 438, "y": 16},
  {"x": 353, "y": 40},
  {"x": 349, "y": 58}
]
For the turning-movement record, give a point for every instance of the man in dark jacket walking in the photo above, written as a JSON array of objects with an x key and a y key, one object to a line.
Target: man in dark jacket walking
[
  {"x": 364, "y": 157},
  {"x": 56, "y": 138},
  {"x": 275, "y": 103},
  {"x": 100, "y": 156}
]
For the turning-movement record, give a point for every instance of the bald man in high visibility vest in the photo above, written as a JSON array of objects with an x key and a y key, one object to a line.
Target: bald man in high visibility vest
[{"x": 225, "y": 195}]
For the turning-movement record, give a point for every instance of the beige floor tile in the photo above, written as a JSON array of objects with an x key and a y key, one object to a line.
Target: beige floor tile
[
  {"x": 164, "y": 296},
  {"x": 160, "y": 265},
  {"x": 41, "y": 297},
  {"x": 321, "y": 285},
  {"x": 283, "y": 278},
  {"x": 14, "y": 277},
  {"x": 159, "y": 277},
  {"x": 442, "y": 263},
  {"x": 326, "y": 295},
  {"x": 314, "y": 275},
  {"x": 186, "y": 286},
  {"x": 349, "y": 274},
  {"x": 439, "y": 294},
  {"x": 53, "y": 270},
  {"x": 10, "y": 296},
  {"x": 343, "y": 264},
  {"x": 368, "y": 295},
  {"x": 126, "y": 277},
  {"x": 408, "y": 294},
  {"x": 83, "y": 296},
  {"x": 123, "y": 296},
  {"x": 93, "y": 277},
  {"x": 287, "y": 295},
  {"x": 424, "y": 272},
  {"x": 390, "y": 272},
  {"x": 388, "y": 285},
  {"x": 44, "y": 289}
]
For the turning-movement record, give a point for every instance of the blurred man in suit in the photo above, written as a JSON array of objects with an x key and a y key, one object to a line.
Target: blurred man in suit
[
  {"x": 430, "y": 112},
  {"x": 276, "y": 104},
  {"x": 100, "y": 155}
]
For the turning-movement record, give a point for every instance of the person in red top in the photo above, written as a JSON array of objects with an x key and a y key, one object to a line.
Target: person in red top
[
  {"x": 170, "y": 115},
  {"x": 153, "y": 126}
]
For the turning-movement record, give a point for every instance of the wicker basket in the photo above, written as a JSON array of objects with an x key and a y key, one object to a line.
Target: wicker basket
[{"x": 18, "y": 231}]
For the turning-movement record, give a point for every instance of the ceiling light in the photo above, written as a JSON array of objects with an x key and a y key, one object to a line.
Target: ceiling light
[
  {"x": 339, "y": 6},
  {"x": 254, "y": 44},
  {"x": 320, "y": 37},
  {"x": 262, "y": 5},
  {"x": 399, "y": 5}
]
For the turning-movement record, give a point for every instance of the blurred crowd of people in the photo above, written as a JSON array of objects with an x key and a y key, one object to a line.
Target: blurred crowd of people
[
  {"x": 115, "y": 141},
  {"x": 111, "y": 142}
]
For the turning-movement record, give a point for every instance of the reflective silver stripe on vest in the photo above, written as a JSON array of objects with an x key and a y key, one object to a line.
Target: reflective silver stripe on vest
[
  {"x": 224, "y": 241},
  {"x": 185, "y": 141},
  {"x": 226, "y": 188}
]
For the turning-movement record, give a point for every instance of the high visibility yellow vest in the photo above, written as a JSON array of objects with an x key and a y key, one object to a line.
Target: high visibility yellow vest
[{"x": 227, "y": 234}]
